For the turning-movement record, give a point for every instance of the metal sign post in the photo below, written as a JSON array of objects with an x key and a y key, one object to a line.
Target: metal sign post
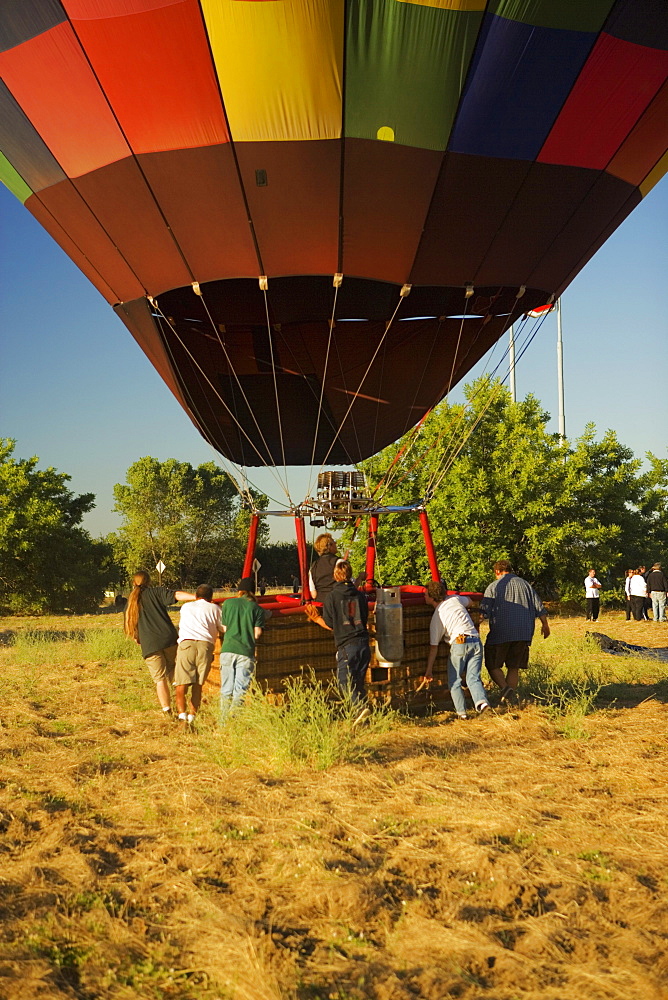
[
  {"x": 560, "y": 375},
  {"x": 160, "y": 566}
]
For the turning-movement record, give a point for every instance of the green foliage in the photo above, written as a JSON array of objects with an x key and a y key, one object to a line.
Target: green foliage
[
  {"x": 48, "y": 562},
  {"x": 279, "y": 562},
  {"x": 499, "y": 485},
  {"x": 191, "y": 518}
]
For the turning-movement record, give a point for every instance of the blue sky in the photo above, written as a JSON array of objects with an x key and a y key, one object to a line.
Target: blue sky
[{"x": 77, "y": 391}]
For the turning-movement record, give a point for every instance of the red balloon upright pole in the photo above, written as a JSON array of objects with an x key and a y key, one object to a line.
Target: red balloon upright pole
[
  {"x": 429, "y": 545},
  {"x": 371, "y": 550},
  {"x": 300, "y": 531},
  {"x": 250, "y": 548}
]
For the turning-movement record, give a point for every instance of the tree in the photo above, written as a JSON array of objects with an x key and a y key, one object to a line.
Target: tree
[
  {"x": 499, "y": 485},
  {"x": 190, "y": 518},
  {"x": 48, "y": 562}
]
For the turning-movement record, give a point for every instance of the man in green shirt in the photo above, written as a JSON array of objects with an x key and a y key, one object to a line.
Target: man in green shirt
[{"x": 242, "y": 622}]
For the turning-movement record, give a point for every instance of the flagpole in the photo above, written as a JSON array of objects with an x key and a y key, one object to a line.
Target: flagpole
[
  {"x": 511, "y": 354},
  {"x": 560, "y": 374}
]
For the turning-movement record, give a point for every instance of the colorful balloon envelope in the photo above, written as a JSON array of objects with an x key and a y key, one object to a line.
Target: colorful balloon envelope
[{"x": 212, "y": 166}]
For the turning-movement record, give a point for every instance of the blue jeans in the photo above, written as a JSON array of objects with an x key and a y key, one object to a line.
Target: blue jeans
[
  {"x": 352, "y": 661},
  {"x": 658, "y": 605},
  {"x": 236, "y": 674},
  {"x": 466, "y": 658}
]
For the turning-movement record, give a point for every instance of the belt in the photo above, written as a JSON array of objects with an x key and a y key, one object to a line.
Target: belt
[{"x": 465, "y": 638}]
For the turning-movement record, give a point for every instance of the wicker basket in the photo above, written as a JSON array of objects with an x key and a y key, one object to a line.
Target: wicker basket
[{"x": 292, "y": 645}]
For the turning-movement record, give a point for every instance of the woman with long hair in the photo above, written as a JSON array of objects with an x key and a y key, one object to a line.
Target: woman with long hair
[{"x": 147, "y": 622}]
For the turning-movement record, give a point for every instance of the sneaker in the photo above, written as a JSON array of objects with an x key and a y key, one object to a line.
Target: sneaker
[
  {"x": 482, "y": 707},
  {"x": 463, "y": 717},
  {"x": 364, "y": 714},
  {"x": 508, "y": 696}
]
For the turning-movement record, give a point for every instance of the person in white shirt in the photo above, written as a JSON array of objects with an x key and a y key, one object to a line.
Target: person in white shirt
[
  {"x": 638, "y": 592},
  {"x": 199, "y": 627},
  {"x": 627, "y": 591},
  {"x": 592, "y": 596},
  {"x": 452, "y": 622}
]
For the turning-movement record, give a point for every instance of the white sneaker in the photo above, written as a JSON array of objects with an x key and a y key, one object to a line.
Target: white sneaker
[{"x": 364, "y": 714}]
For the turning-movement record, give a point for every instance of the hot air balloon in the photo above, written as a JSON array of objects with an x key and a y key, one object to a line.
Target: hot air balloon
[{"x": 315, "y": 216}]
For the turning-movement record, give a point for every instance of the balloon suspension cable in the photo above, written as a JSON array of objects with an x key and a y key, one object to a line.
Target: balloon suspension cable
[
  {"x": 405, "y": 291},
  {"x": 390, "y": 475},
  {"x": 461, "y": 433},
  {"x": 217, "y": 393},
  {"x": 457, "y": 442},
  {"x": 452, "y": 426},
  {"x": 199, "y": 422},
  {"x": 198, "y": 291},
  {"x": 338, "y": 280},
  {"x": 263, "y": 286},
  {"x": 456, "y": 422},
  {"x": 411, "y": 434},
  {"x": 455, "y": 452}
]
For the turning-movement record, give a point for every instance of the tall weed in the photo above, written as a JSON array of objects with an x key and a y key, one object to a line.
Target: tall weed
[
  {"x": 49, "y": 647},
  {"x": 565, "y": 678},
  {"x": 311, "y": 728}
]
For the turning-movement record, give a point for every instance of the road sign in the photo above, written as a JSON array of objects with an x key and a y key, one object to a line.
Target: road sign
[
  {"x": 160, "y": 566},
  {"x": 257, "y": 565}
]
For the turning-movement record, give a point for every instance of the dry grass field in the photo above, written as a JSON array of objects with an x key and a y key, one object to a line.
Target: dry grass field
[{"x": 518, "y": 856}]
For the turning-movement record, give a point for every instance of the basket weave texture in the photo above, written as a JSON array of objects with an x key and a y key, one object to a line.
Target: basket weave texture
[{"x": 292, "y": 646}]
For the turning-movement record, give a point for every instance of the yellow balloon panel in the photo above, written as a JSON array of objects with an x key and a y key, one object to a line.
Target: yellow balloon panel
[{"x": 280, "y": 67}]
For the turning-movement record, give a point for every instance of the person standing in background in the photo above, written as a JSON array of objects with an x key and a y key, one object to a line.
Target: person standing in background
[
  {"x": 657, "y": 586},
  {"x": 644, "y": 572},
  {"x": 638, "y": 592},
  {"x": 592, "y": 597},
  {"x": 627, "y": 591}
]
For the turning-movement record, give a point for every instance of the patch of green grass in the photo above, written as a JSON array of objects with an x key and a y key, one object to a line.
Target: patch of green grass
[
  {"x": 47, "y": 646},
  {"x": 566, "y": 680},
  {"x": 312, "y": 728},
  {"x": 602, "y": 865},
  {"x": 518, "y": 841}
]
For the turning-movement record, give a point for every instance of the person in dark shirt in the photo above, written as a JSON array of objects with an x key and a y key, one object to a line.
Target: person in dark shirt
[
  {"x": 657, "y": 586},
  {"x": 512, "y": 606},
  {"x": 345, "y": 612},
  {"x": 147, "y": 622},
  {"x": 321, "y": 577}
]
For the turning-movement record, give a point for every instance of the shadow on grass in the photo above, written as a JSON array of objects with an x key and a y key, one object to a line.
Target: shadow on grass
[{"x": 631, "y": 695}]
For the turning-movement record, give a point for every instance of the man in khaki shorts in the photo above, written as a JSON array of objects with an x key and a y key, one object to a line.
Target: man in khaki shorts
[{"x": 198, "y": 629}]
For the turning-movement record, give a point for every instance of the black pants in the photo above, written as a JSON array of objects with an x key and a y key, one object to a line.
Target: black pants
[
  {"x": 628, "y": 609},
  {"x": 593, "y": 604},
  {"x": 637, "y": 607}
]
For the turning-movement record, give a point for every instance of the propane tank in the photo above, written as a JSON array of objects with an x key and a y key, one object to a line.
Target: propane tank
[{"x": 389, "y": 627}]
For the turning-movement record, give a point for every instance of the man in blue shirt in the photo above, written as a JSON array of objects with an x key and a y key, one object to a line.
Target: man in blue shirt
[{"x": 512, "y": 606}]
